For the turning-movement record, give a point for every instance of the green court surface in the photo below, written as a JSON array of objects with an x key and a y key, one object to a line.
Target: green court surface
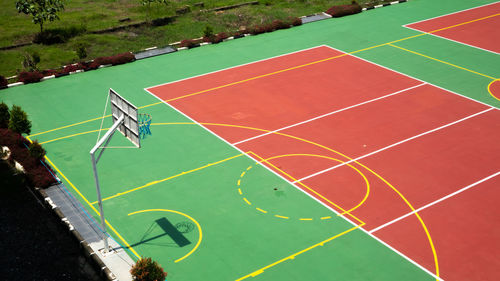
[{"x": 186, "y": 176}]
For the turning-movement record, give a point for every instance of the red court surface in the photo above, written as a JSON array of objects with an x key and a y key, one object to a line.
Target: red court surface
[
  {"x": 494, "y": 89},
  {"x": 477, "y": 27},
  {"x": 378, "y": 147},
  {"x": 467, "y": 244}
]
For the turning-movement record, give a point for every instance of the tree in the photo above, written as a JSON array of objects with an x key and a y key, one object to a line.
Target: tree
[
  {"x": 40, "y": 10},
  {"x": 146, "y": 269},
  {"x": 4, "y": 115},
  {"x": 19, "y": 121}
]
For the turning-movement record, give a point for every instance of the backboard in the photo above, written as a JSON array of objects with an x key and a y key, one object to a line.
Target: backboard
[{"x": 120, "y": 106}]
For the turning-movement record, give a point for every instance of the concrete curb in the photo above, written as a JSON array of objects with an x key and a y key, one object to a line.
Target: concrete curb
[{"x": 384, "y": 5}]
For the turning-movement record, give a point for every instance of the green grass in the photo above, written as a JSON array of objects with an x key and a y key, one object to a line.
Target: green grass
[{"x": 18, "y": 28}]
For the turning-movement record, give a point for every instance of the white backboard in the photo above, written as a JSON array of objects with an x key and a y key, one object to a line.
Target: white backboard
[{"x": 120, "y": 106}]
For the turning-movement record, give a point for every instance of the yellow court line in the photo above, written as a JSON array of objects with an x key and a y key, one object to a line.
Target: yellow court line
[
  {"x": 73, "y": 135},
  {"x": 283, "y": 217},
  {"x": 293, "y": 256},
  {"x": 259, "y": 209},
  {"x": 169, "y": 178},
  {"x": 268, "y": 74},
  {"x": 441, "y": 61},
  {"x": 246, "y": 200},
  {"x": 182, "y": 214},
  {"x": 463, "y": 23},
  {"x": 306, "y": 219},
  {"x": 489, "y": 89},
  {"x": 325, "y": 218}
]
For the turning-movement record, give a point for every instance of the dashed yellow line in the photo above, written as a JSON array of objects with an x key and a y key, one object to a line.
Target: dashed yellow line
[
  {"x": 246, "y": 200},
  {"x": 325, "y": 218},
  {"x": 306, "y": 219},
  {"x": 259, "y": 209},
  {"x": 249, "y": 167},
  {"x": 239, "y": 182},
  {"x": 281, "y": 217},
  {"x": 239, "y": 191},
  {"x": 242, "y": 174}
]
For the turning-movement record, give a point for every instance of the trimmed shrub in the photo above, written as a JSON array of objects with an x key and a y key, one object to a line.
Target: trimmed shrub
[
  {"x": 3, "y": 82},
  {"x": 344, "y": 10},
  {"x": 145, "y": 269},
  {"x": 122, "y": 58},
  {"x": 30, "y": 77},
  {"x": 19, "y": 121},
  {"x": 296, "y": 21},
  {"x": 4, "y": 115},
  {"x": 277, "y": 24},
  {"x": 189, "y": 43},
  {"x": 36, "y": 150}
]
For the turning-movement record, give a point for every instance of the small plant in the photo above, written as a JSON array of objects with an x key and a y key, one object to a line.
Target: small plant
[
  {"x": 4, "y": 115},
  {"x": 3, "y": 82},
  {"x": 208, "y": 31},
  {"x": 19, "y": 121},
  {"x": 145, "y": 269},
  {"x": 36, "y": 150},
  {"x": 30, "y": 61},
  {"x": 81, "y": 51}
]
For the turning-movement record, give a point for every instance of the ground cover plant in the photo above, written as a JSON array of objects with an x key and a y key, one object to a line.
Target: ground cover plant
[{"x": 81, "y": 22}]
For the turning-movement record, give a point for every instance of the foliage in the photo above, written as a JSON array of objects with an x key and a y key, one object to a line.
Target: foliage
[
  {"x": 81, "y": 51},
  {"x": 19, "y": 121},
  {"x": 3, "y": 82},
  {"x": 38, "y": 173},
  {"x": 145, "y": 269},
  {"x": 36, "y": 150},
  {"x": 189, "y": 43},
  {"x": 344, "y": 10},
  {"x": 28, "y": 77},
  {"x": 4, "y": 115},
  {"x": 40, "y": 10},
  {"x": 30, "y": 61},
  {"x": 208, "y": 31}
]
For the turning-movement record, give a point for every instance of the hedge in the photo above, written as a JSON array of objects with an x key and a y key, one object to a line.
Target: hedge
[
  {"x": 189, "y": 43},
  {"x": 37, "y": 171},
  {"x": 344, "y": 10},
  {"x": 30, "y": 77}
]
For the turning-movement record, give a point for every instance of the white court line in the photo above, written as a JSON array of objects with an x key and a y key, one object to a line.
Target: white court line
[
  {"x": 433, "y": 203},
  {"x": 394, "y": 144},
  {"x": 330, "y": 113},
  {"x": 449, "y": 39},
  {"x": 451, "y": 13},
  {"x": 237, "y": 66},
  {"x": 409, "y": 76},
  {"x": 303, "y": 191}
]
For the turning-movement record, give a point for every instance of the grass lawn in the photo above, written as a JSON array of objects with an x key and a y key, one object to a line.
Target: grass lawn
[{"x": 18, "y": 28}]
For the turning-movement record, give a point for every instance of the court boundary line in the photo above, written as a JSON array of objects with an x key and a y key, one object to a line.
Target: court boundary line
[
  {"x": 233, "y": 67},
  {"x": 317, "y": 200},
  {"x": 441, "y": 61},
  {"x": 435, "y": 202},
  {"x": 452, "y": 13},
  {"x": 397, "y": 143},
  {"x": 410, "y": 76},
  {"x": 331, "y": 113},
  {"x": 455, "y": 41}
]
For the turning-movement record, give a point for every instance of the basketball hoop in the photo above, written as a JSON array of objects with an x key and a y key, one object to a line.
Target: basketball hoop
[{"x": 144, "y": 123}]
